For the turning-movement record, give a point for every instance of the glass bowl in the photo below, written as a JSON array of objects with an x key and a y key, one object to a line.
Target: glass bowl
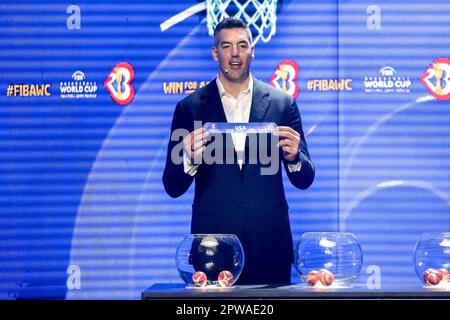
[
  {"x": 432, "y": 259},
  {"x": 210, "y": 260},
  {"x": 328, "y": 259}
]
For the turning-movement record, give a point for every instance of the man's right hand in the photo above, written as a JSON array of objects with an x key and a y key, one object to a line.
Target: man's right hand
[{"x": 194, "y": 144}]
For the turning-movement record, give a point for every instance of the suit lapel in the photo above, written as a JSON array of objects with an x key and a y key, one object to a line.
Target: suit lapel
[
  {"x": 260, "y": 102},
  {"x": 260, "y": 105},
  {"x": 214, "y": 112},
  {"x": 212, "y": 104}
]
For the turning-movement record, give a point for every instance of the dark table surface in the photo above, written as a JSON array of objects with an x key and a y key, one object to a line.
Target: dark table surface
[{"x": 296, "y": 291}]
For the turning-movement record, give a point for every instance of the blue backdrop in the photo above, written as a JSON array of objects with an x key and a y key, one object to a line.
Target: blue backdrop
[{"x": 83, "y": 213}]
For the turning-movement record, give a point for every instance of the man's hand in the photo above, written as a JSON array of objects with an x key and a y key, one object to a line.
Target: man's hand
[
  {"x": 194, "y": 144},
  {"x": 289, "y": 142}
]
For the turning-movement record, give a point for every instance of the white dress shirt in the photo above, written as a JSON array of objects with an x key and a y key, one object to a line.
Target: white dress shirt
[{"x": 237, "y": 110}]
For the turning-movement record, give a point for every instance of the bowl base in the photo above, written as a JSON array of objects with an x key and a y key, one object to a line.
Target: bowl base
[
  {"x": 439, "y": 287},
  {"x": 210, "y": 287}
]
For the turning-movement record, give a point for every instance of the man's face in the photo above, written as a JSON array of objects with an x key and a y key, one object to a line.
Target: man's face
[{"x": 234, "y": 53}]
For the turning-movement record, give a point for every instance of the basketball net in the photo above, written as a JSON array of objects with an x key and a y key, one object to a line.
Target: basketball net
[{"x": 259, "y": 15}]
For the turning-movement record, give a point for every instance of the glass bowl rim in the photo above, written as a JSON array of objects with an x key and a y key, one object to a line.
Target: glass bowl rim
[
  {"x": 324, "y": 233},
  {"x": 211, "y": 235},
  {"x": 434, "y": 234}
]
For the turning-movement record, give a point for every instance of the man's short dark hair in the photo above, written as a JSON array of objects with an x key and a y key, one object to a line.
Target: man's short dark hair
[{"x": 230, "y": 23}]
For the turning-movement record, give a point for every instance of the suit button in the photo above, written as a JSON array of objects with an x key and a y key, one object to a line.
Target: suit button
[
  {"x": 239, "y": 203},
  {"x": 241, "y": 179}
]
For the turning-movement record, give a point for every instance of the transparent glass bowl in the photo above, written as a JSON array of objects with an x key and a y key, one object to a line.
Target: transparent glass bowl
[
  {"x": 432, "y": 259},
  {"x": 210, "y": 260},
  {"x": 336, "y": 252}
]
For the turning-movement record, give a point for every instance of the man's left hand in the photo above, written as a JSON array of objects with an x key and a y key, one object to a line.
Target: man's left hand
[{"x": 289, "y": 142}]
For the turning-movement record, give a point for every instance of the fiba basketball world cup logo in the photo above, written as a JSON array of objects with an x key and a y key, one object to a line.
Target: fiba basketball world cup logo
[
  {"x": 118, "y": 83},
  {"x": 259, "y": 15},
  {"x": 285, "y": 78},
  {"x": 437, "y": 79}
]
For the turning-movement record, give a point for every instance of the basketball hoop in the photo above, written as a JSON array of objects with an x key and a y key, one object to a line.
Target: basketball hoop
[{"x": 259, "y": 15}]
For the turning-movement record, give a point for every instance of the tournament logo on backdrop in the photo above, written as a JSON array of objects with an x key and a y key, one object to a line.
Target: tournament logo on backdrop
[
  {"x": 437, "y": 79},
  {"x": 285, "y": 77},
  {"x": 327, "y": 85},
  {"x": 28, "y": 90},
  {"x": 78, "y": 88},
  {"x": 118, "y": 83},
  {"x": 387, "y": 82}
]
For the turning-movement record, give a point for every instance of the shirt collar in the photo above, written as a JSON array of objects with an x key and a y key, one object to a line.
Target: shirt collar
[{"x": 222, "y": 91}]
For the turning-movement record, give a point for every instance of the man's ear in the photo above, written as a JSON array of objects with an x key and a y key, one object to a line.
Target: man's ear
[{"x": 215, "y": 54}]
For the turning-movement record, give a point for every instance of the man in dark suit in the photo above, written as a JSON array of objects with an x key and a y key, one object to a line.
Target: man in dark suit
[{"x": 237, "y": 198}]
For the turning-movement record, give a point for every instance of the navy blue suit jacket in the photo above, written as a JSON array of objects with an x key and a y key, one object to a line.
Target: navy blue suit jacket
[{"x": 242, "y": 202}]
